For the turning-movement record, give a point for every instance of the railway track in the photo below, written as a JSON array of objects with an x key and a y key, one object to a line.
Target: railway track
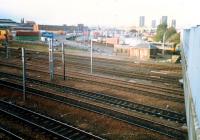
[
  {"x": 104, "y": 69},
  {"x": 135, "y": 88},
  {"x": 122, "y": 64},
  {"x": 112, "y": 81},
  {"x": 115, "y": 72},
  {"x": 134, "y": 120},
  {"x": 55, "y": 128},
  {"x": 106, "y": 99},
  {"x": 110, "y": 67},
  {"x": 11, "y": 135},
  {"x": 120, "y": 73},
  {"x": 95, "y": 78},
  {"x": 154, "y": 66}
]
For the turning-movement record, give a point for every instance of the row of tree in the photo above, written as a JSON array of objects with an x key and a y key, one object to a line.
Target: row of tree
[{"x": 166, "y": 34}]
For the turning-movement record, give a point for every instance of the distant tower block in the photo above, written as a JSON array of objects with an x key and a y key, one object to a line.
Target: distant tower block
[
  {"x": 142, "y": 21},
  {"x": 153, "y": 24},
  {"x": 164, "y": 20},
  {"x": 173, "y": 23}
]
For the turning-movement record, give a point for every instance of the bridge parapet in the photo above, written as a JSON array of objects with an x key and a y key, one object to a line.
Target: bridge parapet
[{"x": 190, "y": 53}]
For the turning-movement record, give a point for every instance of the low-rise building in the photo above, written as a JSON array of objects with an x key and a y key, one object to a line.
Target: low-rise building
[
  {"x": 112, "y": 41},
  {"x": 143, "y": 51},
  {"x": 57, "y": 29}
]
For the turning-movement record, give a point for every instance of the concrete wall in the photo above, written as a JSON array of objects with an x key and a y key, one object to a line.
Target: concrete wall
[
  {"x": 140, "y": 53},
  {"x": 122, "y": 50},
  {"x": 190, "y": 41}
]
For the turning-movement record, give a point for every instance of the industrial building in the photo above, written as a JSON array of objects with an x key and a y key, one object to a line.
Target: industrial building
[
  {"x": 62, "y": 29},
  {"x": 7, "y": 23},
  {"x": 19, "y": 31},
  {"x": 53, "y": 28},
  {"x": 31, "y": 31},
  {"x": 25, "y": 27}
]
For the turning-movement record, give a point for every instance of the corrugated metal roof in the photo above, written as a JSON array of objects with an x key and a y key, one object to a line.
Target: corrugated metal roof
[{"x": 6, "y": 23}]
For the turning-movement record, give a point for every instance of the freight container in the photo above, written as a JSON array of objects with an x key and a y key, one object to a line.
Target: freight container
[
  {"x": 27, "y": 38},
  {"x": 22, "y": 33}
]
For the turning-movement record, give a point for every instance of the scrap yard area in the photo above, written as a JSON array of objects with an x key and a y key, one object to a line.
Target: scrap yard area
[{"x": 117, "y": 99}]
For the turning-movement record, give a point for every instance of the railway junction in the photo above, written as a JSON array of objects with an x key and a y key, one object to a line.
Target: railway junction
[{"x": 58, "y": 95}]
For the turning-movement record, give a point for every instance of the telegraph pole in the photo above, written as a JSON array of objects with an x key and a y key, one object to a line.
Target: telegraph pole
[
  {"x": 63, "y": 60},
  {"x": 24, "y": 73},
  {"x": 91, "y": 55},
  {"x": 50, "y": 58},
  {"x": 51, "y": 61},
  {"x": 84, "y": 38},
  {"x": 106, "y": 38},
  {"x": 6, "y": 45}
]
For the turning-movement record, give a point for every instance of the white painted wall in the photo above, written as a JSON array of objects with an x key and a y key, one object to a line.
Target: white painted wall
[{"x": 191, "y": 48}]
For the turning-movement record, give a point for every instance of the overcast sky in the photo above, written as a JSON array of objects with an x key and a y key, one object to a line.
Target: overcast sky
[{"x": 101, "y": 12}]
